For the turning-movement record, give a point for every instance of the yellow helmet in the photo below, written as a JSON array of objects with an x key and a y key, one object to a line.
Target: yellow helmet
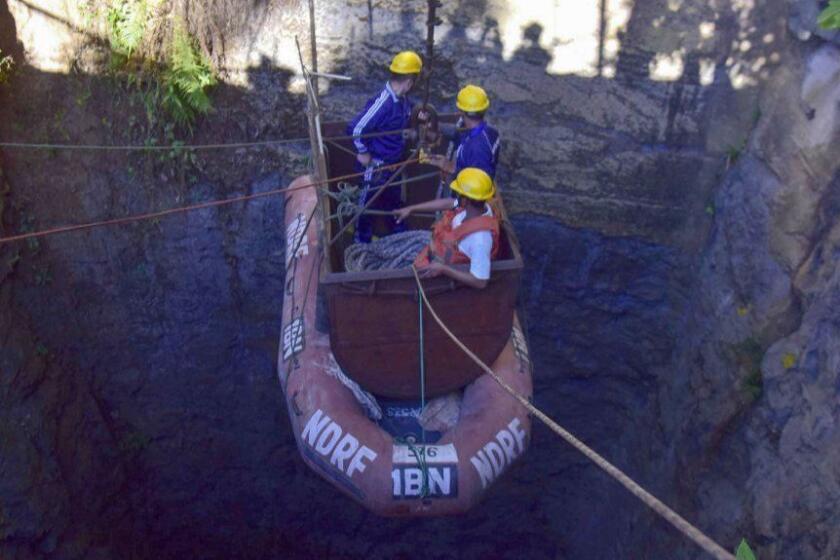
[
  {"x": 472, "y": 99},
  {"x": 474, "y": 183},
  {"x": 406, "y": 62}
]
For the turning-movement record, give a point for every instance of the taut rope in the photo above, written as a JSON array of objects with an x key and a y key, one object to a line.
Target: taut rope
[{"x": 649, "y": 499}]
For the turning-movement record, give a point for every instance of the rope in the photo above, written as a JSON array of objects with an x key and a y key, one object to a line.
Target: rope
[
  {"x": 376, "y": 195},
  {"x": 422, "y": 364},
  {"x": 397, "y": 250},
  {"x": 137, "y": 148},
  {"x": 347, "y": 194},
  {"x": 152, "y": 215},
  {"x": 420, "y": 456},
  {"x": 423, "y": 467},
  {"x": 345, "y": 197},
  {"x": 686, "y": 528}
]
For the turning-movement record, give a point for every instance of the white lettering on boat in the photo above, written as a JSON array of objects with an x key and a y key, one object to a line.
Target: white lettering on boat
[
  {"x": 402, "y": 412},
  {"x": 520, "y": 348},
  {"x": 408, "y": 482},
  {"x": 296, "y": 237},
  {"x": 497, "y": 454},
  {"x": 341, "y": 449},
  {"x": 437, "y": 463},
  {"x": 293, "y": 342}
]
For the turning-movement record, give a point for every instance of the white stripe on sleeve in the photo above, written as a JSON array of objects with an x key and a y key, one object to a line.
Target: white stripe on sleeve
[{"x": 360, "y": 126}]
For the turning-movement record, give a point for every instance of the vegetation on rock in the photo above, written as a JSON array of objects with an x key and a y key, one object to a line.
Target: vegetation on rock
[
  {"x": 180, "y": 83},
  {"x": 126, "y": 27},
  {"x": 7, "y": 64},
  {"x": 830, "y": 16},
  {"x": 748, "y": 356},
  {"x": 744, "y": 551},
  {"x": 186, "y": 80}
]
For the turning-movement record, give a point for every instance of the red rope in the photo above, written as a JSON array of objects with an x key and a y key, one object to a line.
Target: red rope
[{"x": 199, "y": 206}]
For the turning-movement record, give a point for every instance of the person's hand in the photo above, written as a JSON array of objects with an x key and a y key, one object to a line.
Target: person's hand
[
  {"x": 402, "y": 213},
  {"x": 432, "y": 270},
  {"x": 364, "y": 159},
  {"x": 438, "y": 160}
]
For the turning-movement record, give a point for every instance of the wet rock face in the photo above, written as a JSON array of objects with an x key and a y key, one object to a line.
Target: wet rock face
[
  {"x": 123, "y": 415},
  {"x": 796, "y": 437},
  {"x": 604, "y": 317},
  {"x": 679, "y": 289},
  {"x": 752, "y": 406}
]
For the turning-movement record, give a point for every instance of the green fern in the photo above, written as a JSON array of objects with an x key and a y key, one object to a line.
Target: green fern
[
  {"x": 127, "y": 26},
  {"x": 183, "y": 80},
  {"x": 186, "y": 80},
  {"x": 744, "y": 551},
  {"x": 830, "y": 17}
]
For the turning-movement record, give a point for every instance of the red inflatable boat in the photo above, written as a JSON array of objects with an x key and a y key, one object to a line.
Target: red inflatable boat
[{"x": 358, "y": 422}]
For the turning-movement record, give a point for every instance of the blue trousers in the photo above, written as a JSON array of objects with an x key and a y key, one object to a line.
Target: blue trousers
[{"x": 389, "y": 200}]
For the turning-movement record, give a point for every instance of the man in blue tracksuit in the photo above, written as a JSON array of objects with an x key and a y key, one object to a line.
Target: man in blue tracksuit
[
  {"x": 390, "y": 110},
  {"x": 475, "y": 143}
]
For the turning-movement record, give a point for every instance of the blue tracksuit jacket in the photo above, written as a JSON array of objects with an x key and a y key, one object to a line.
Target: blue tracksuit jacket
[
  {"x": 386, "y": 111},
  {"x": 478, "y": 147}
]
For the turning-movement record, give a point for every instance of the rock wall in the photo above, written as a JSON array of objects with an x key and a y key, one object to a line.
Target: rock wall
[
  {"x": 760, "y": 346},
  {"x": 672, "y": 171}
]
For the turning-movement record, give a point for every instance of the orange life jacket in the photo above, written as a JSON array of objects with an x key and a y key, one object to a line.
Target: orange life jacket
[{"x": 445, "y": 239}]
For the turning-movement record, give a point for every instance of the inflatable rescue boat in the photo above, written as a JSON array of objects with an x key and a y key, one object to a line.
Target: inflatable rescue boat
[
  {"x": 368, "y": 445},
  {"x": 401, "y": 435}
]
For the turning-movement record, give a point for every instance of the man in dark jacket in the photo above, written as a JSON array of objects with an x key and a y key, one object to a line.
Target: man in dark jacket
[
  {"x": 390, "y": 110},
  {"x": 475, "y": 143}
]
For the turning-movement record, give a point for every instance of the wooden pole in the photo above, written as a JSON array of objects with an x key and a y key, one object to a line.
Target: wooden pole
[{"x": 313, "y": 44}]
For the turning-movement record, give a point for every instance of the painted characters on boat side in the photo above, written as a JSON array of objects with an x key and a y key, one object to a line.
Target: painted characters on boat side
[
  {"x": 499, "y": 453},
  {"x": 424, "y": 471},
  {"x": 341, "y": 449},
  {"x": 520, "y": 348},
  {"x": 297, "y": 245},
  {"x": 293, "y": 342}
]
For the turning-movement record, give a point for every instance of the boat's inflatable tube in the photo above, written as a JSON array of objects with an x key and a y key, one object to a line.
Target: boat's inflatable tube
[{"x": 338, "y": 440}]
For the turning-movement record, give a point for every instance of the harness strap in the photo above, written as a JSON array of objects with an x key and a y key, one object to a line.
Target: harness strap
[{"x": 479, "y": 223}]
